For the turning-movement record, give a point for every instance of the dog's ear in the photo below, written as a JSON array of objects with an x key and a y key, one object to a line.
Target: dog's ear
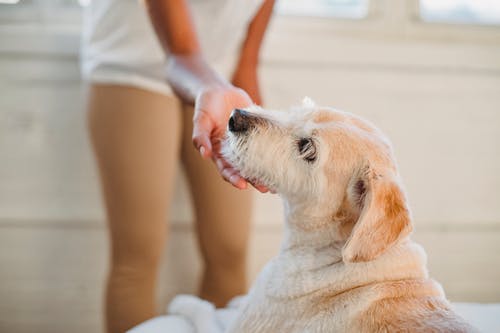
[{"x": 384, "y": 217}]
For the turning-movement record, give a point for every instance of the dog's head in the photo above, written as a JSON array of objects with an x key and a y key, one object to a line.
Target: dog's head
[{"x": 329, "y": 166}]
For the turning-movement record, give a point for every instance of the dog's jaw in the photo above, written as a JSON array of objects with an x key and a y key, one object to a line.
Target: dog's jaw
[{"x": 238, "y": 150}]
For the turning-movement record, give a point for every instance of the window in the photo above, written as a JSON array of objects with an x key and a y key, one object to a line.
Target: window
[
  {"x": 44, "y": 12},
  {"x": 352, "y": 9},
  {"x": 461, "y": 11}
]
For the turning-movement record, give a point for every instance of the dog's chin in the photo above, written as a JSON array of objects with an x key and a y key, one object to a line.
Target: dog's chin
[
  {"x": 236, "y": 158},
  {"x": 244, "y": 168},
  {"x": 258, "y": 181}
]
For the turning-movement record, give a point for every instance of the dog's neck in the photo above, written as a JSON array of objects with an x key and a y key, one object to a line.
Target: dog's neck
[
  {"x": 312, "y": 237},
  {"x": 310, "y": 227},
  {"x": 311, "y": 259}
]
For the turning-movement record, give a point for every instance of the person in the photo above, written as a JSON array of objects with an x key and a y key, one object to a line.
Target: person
[{"x": 208, "y": 52}]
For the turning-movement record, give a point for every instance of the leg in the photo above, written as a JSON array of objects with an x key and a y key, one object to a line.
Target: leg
[
  {"x": 135, "y": 134},
  {"x": 222, "y": 221}
]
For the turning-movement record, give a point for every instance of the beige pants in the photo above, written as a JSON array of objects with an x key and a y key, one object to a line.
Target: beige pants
[{"x": 138, "y": 136}]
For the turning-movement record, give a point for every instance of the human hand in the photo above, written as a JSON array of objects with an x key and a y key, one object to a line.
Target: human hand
[{"x": 213, "y": 106}]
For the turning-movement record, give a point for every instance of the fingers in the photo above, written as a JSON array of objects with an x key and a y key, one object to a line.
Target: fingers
[
  {"x": 243, "y": 99},
  {"x": 202, "y": 129},
  {"x": 230, "y": 174},
  {"x": 209, "y": 121},
  {"x": 261, "y": 188}
]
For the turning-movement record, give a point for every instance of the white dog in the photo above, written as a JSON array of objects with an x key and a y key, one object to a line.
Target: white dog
[{"x": 347, "y": 263}]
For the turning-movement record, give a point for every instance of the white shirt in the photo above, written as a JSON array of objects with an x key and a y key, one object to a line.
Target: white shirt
[{"x": 119, "y": 44}]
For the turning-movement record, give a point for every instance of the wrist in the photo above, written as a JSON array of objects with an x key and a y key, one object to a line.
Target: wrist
[
  {"x": 190, "y": 75},
  {"x": 215, "y": 88}
]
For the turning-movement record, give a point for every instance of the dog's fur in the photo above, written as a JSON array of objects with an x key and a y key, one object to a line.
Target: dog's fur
[{"x": 347, "y": 263}]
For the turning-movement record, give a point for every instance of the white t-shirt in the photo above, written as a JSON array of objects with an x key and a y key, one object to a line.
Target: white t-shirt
[{"x": 119, "y": 44}]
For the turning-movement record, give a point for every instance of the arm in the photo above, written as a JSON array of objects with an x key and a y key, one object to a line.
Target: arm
[
  {"x": 245, "y": 76},
  {"x": 187, "y": 71},
  {"x": 195, "y": 82}
]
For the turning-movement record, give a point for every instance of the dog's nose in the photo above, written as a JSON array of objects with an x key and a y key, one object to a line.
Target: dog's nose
[{"x": 239, "y": 121}]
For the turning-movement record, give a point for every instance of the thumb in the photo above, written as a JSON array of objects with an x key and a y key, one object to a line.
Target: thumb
[
  {"x": 202, "y": 129},
  {"x": 243, "y": 99}
]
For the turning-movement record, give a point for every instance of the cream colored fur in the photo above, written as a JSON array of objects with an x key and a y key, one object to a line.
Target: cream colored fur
[{"x": 347, "y": 263}]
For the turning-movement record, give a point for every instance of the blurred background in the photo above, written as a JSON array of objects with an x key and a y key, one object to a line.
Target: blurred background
[{"x": 426, "y": 72}]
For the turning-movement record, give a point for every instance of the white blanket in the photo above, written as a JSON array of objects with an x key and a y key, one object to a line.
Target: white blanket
[{"x": 189, "y": 314}]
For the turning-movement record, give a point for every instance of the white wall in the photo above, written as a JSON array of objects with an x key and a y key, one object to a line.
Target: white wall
[{"x": 435, "y": 89}]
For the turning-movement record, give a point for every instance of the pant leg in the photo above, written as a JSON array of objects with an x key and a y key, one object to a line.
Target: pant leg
[
  {"x": 223, "y": 215},
  {"x": 135, "y": 135}
]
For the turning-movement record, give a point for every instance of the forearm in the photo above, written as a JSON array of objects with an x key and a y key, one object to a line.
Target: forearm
[
  {"x": 250, "y": 50},
  {"x": 196, "y": 83},
  {"x": 187, "y": 72},
  {"x": 245, "y": 75}
]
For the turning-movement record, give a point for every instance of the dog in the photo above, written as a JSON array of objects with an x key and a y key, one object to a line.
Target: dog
[{"x": 347, "y": 263}]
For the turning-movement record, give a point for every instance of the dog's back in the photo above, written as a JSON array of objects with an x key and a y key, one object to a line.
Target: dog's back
[{"x": 406, "y": 314}]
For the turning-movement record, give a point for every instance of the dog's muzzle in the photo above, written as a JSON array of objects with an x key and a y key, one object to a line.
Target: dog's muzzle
[{"x": 240, "y": 121}]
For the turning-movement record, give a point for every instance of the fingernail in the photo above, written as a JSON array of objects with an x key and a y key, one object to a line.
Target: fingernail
[
  {"x": 238, "y": 182},
  {"x": 202, "y": 151},
  {"x": 219, "y": 164}
]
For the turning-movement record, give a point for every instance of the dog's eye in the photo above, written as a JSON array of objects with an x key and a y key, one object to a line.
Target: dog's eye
[{"x": 307, "y": 149}]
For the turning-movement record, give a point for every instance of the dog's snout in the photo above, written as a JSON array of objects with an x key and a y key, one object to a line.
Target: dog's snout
[{"x": 239, "y": 121}]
